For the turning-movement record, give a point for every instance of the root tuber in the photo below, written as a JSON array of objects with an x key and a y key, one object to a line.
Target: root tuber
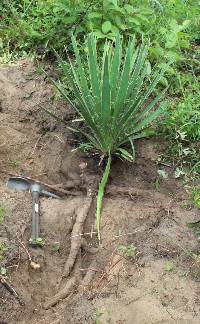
[
  {"x": 63, "y": 293},
  {"x": 76, "y": 240},
  {"x": 89, "y": 275}
]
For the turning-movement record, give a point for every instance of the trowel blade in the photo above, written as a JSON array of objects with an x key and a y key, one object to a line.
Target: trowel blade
[{"x": 18, "y": 183}]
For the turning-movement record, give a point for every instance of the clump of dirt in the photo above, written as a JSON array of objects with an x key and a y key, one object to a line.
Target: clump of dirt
[{"x": 145, "y": 271}]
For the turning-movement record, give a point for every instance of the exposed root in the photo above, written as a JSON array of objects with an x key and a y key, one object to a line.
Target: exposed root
[
  {"x": 74, "y": 260},
  {"x": 11, "y": 290},
  {"x": 63, "y": 293},
  {"x": 89, "y": 275},
  {"x": 89, "y": 249},
  {"x": 111, "y": 270},
  {"x": 69, "y": 288},
  {"x": 116, "y": 190},
  {"x": 71, "y": 184},
  {"x": 73, "y": 283},
  {"x": 76, "y": 240}
]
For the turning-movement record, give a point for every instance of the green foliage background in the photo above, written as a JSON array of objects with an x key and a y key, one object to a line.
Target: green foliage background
[{"x": 38, "y": 25}]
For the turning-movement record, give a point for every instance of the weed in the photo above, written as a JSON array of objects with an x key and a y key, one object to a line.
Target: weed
[
  {"x": 3, "y": 271},
  {"x": 186, "y": 205},
  {"x": 2, "y": 211},
  {"x": 98, "y": 315},
  {"x": 3, "y": 249},
  {"x": 194, "y": 193},
  {"x": 14, "y": 163},
  {"x": 169, "y": 267},
  {"x": 56, "y": 247},
  {"x": 37, "y": 242},
  {"x": 162, "y": 173},
  {"x": 157, "y": 184},
  {"x": 180, "y": 126},
  {"x": 128, "y": 251}
]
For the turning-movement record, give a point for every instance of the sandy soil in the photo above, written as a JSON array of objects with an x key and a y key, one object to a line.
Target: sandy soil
[{"x": 147, "y": 266}]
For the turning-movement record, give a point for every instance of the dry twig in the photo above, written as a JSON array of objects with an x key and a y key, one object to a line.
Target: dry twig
[{"x": 11, "y": 290}]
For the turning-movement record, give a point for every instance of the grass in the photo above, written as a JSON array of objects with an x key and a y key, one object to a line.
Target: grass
[
  {"x": 14, "y": 163},
  {"x": 3, "y": 249},
  {"x": 180, "y": 124},
  {"x": 128, "y": 251},
  {"x": 194, "y": 193},
  {"x": 98, "y": 315},
  {"x": 2, "y": 210}
]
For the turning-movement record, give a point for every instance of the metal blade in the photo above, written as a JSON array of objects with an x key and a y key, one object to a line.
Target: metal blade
[{"x": 18, "y": 183}]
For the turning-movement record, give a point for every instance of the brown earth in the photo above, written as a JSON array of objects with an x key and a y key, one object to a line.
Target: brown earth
[{"x": 147, "y": 268}]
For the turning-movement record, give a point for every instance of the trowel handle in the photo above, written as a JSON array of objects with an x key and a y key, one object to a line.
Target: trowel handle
[{"x": 35, "y": 216}]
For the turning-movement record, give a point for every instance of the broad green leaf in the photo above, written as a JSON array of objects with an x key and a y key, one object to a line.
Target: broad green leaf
[
  {"x": 99, "y": 34},
  {"x": 69, "y": 20},
  {"x": 134, "y": 21},
  {"x": 94, "y": 14},
  {"x": 129, "y": 9},
  {"x": 106, "y": 27},
  {"x": 171, "y": 40},
  {"x": 119, "y": 22}
]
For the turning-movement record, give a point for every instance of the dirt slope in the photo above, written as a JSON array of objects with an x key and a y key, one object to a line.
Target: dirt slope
[{"x": 147, "y": 268}]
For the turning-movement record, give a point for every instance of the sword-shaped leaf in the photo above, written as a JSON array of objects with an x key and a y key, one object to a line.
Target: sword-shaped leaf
[{"x": 105, "y": 102}]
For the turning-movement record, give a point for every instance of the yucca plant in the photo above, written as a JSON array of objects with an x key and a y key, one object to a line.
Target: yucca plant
[{"x": 114, "y": 98}]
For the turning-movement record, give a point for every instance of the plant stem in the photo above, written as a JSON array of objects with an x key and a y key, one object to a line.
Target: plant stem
[{"x": 100, "y": 194}]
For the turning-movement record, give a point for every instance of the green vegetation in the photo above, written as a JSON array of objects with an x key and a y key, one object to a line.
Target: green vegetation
[
  {"x": 98, "y": 315},
  {"x": 3, "y": 249},
  {"x": 2, "y": 210},
  {"x": 37, "y": 26},
  {"x": 169, "y": 267},
  {"x": 56, "y": 247},
  {"x": 14, "y": 163},
  {"x": 194, "y": 194},
  {"x": 169, "y": 28},
  {"x": 180, "y": 125},
  {"x": 37, "y": 242},
  {"x": 128, "y": 251},
  {"x": 3, "y": 271}
]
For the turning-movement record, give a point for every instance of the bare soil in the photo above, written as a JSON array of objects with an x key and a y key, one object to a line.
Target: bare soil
[{"x": 147, "y": 268}]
